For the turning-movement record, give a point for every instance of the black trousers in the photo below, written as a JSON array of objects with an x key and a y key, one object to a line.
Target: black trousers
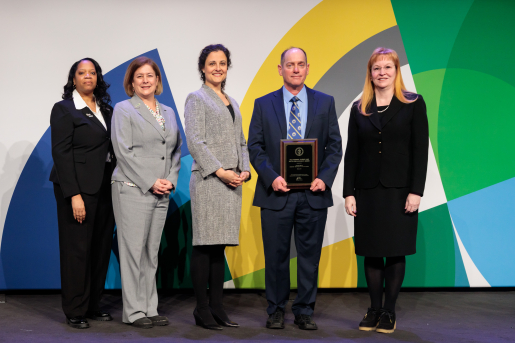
[
  {"x": 85, "y": 248},
  {"x": 277, "y": 225}
]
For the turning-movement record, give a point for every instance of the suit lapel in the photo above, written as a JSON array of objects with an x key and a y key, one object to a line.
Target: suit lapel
[
  {"x": 395, "y": 106},
  {"x": 312, "y": 106},
  {"x": 374, "y": 117},
  {"x": 140, "y": 107},
  {"x": 278, "y": 102},
  {"x": 107, "y": 119},
  {"x": 88, "y": 113}
]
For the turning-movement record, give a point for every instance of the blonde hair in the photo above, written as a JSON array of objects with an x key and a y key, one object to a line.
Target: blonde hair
[
  {"x": 131, "y": 70},
  {"x": 400, "y": 91}
]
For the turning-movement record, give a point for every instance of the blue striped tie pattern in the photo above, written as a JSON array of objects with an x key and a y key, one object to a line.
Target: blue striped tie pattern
[{"x": 294, "y": 125}]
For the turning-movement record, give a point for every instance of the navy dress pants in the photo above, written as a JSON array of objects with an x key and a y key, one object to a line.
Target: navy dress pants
[{"x": 277, "y": 225}]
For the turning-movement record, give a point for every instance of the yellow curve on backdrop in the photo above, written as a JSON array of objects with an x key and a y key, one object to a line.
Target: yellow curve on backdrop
[{"x": 327, "y": 32}]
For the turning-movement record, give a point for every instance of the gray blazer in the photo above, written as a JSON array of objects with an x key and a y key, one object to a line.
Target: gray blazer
[
  {"x": 143, "y": 150},
  {"x": 214, "y": 140}
]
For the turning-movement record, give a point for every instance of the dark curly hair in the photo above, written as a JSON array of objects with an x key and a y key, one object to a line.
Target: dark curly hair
[
  {"x": 101, "y": 95},
  {"x": 203, "y": 56}
]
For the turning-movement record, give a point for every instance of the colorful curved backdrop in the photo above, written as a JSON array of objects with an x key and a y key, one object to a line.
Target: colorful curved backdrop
[{"x": 456, "y": 53}]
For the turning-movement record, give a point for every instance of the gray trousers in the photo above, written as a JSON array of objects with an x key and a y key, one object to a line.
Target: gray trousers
[{"x": 139, "y": 220}]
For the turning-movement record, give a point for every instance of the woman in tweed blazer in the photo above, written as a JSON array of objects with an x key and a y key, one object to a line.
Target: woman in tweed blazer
[{"x": 217, "y": 144}]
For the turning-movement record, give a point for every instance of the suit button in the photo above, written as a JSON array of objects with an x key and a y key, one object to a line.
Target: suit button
[
  {"x": 379, "y": 151},
  {"x": 162, "y": 158},
  {"x": 379, "y": 142},
  {"x": 163, "y": 142},
  {"x": 379, "y": 132}
]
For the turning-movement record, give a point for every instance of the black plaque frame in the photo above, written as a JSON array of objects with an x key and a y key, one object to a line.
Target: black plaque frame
[{"x": 310, "y": 143}]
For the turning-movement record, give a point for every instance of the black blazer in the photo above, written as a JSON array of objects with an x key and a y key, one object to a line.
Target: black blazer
[
  {"x": 268, "y": 127},
  {"x": 394, "y": 154},
  {"x": 80, "y": 144}
]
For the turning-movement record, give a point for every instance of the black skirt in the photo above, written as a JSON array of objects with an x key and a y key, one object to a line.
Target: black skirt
[{"x": 381, "y": 228}]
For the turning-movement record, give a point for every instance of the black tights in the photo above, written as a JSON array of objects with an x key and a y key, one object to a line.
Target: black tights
[
  {"x": 208, "y": 265},
  {"x": 391, "y": 273}
]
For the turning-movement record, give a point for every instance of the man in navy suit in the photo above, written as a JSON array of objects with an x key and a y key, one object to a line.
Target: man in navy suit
[{"x": 294, "y": 111}]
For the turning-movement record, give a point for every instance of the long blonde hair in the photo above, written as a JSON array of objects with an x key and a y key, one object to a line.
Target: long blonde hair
[{"x": 400, "y": 91}]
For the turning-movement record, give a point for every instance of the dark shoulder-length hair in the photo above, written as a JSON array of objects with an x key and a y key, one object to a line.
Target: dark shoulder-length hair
[
  {"x": 203, "y": 57},
  {"x": 100, "y": 92}
]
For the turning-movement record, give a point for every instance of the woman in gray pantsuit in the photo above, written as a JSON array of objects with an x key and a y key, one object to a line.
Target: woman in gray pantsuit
[
  {"x": 147, "y": 144},
  {"x": 216, "y": 142}
]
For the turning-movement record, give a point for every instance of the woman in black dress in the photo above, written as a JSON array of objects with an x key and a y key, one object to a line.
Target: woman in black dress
[{"x": 384, "y": 178}]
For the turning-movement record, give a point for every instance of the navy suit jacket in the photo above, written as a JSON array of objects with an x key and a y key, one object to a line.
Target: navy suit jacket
[{"x": 268, "y": 127}]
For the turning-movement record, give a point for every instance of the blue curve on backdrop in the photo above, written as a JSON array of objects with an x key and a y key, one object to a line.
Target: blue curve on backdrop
[{"x": 29, "y": 254}]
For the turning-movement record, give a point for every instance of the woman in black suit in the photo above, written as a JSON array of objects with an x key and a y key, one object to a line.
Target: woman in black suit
[
  {"x": 384, "y": 178},
  {"x": 83, "y": 164}
]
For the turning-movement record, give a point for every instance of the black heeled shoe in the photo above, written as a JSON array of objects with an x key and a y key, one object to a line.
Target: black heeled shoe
[
  {"x": 200, "y": 322},
  {"x": 222, "y": 322}
]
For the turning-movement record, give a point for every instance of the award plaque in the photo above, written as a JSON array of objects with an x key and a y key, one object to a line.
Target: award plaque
[{"x": 299, "y": 162}]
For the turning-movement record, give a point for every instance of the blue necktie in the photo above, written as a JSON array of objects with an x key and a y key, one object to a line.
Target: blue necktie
[{"x": 294, "y": 125}]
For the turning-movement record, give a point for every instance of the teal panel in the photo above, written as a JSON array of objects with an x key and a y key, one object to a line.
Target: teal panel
[
  {"x": 113, "y": 279},
  {"x": 460, "y": 279}
]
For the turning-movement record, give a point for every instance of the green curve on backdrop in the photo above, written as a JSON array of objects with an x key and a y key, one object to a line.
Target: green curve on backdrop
[
  {"x": 434, "y": 263},
  {"x": 485, "y": 41},
  {"x": 476, "y": 131},
  {"x": 428, "y": 30},
  {"x": 429, "y": 85},
  {"x": 257, "y": 279}
]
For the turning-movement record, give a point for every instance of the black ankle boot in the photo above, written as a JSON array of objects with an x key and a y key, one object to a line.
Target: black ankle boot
[
  {"x": 204, "y": 318},
  {"x": 221, "y": 317}
]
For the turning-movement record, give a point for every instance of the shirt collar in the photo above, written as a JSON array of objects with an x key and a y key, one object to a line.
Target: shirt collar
[
  {"x": 78, "y": 101},
  {"x": 303, "y": 96}
]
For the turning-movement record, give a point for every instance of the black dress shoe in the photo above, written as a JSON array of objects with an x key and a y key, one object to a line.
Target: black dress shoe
[
  {"x": 79, "y": 322},
  {"x": 224, "y": 321},
  {"x": 159, "y": 320},
  {"x": 200, "y": 322},
  {"x": 370, "y": 320},
  {"x": 142, "y": 323},
  {"x": 387, "y": 322},
  {"x": 305, "y": 322},
  {"x": 275, "y": 320},
  {"x": 99, "y": 315}
]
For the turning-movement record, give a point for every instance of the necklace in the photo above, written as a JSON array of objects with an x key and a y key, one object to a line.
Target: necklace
[{"x": 383, "y": 110}]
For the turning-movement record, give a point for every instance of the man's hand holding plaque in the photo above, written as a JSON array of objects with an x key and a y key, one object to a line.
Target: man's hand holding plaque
[
  {"x": 279, "y": 185},
  {"x": 317, "y": 185}
]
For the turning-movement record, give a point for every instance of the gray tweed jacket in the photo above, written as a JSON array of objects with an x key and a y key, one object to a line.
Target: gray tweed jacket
[{"x": 215, "y": 142}]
